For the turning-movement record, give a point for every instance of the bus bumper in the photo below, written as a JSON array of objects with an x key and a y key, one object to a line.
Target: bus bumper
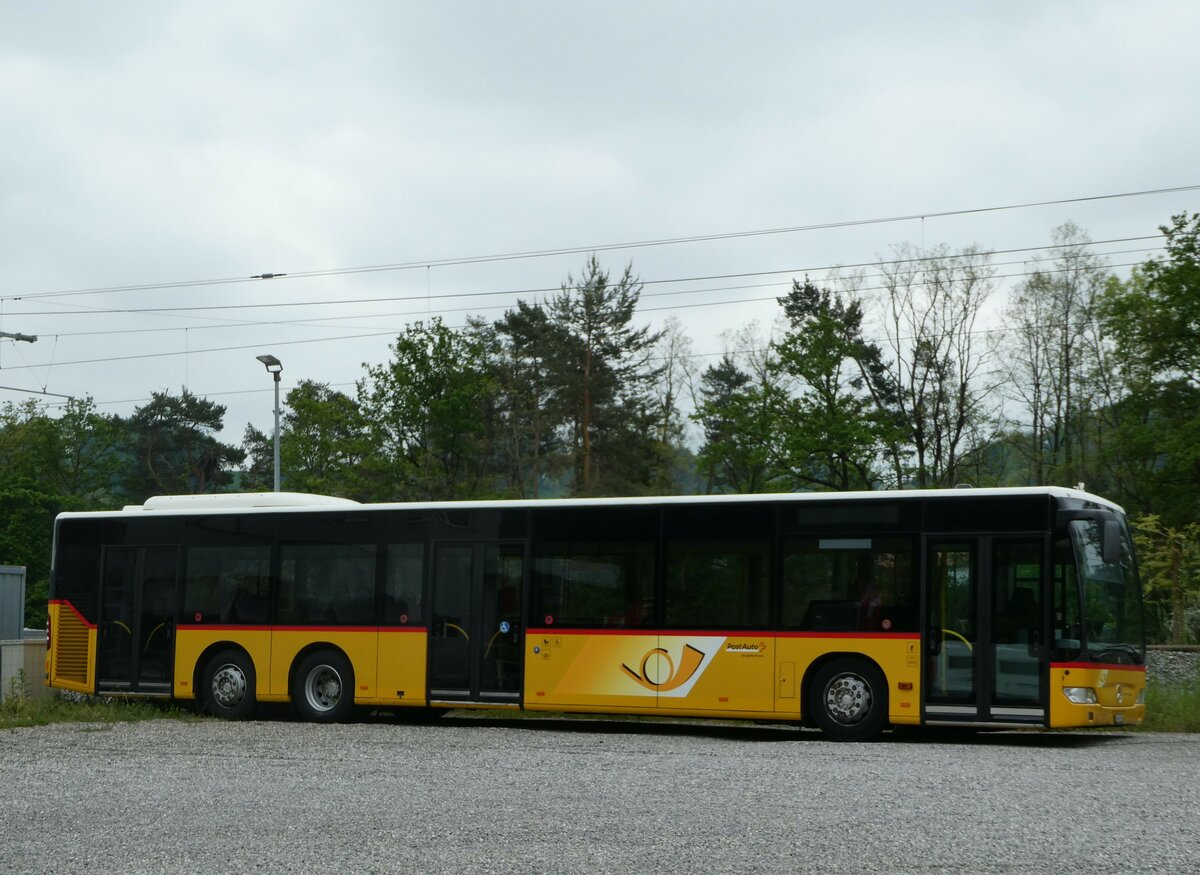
[{"x": 1090, "y": 695}]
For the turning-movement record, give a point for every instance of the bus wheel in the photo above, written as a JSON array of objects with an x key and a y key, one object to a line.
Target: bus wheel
[
  {"x": 227, "y": 684},
  {"x": 323, "y": 687},
  {"x": 848, "y": 698}
]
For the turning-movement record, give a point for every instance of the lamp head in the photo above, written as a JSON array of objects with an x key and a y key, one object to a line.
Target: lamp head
[{"x": 272, "y": 364}]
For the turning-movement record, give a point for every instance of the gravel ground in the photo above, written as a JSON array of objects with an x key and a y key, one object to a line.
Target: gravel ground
[{"x": 483, "y": 795}]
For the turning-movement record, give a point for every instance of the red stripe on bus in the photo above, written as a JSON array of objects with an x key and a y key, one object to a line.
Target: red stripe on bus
[
  {"x": 1106, "y": 666},
  {"x": 739, "y": 633},
  {"x": 74, "y": 610},
  {"x": 227, "y": 627},
  {"x": 914, "y": 636}
]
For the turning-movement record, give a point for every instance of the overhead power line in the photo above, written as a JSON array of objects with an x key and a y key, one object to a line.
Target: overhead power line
[
  {"x": 340, "y": 302},
  {"x": 324, "y": 321},
  {"x": 606, "y": 247},
  {"x": 392, "y": 332}
]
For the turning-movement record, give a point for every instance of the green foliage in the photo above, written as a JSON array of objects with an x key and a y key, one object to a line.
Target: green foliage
[
  {"x": 1169, "y": 562},
  {"x": 323, "y": 441},
  {"x": 1151, "y": 435},
  {"x": 173, "y": 439},
  {"x": 603, "y": 378},
  {"x": 831, "y": 431},
  {"x": 426, "y": 414},
  {"x": 738, "y": 420},
  {"x": 526, "y": 438},
  {"x": 577, "y": 387},
  {"x": 1156, "y": 320},
  {"x": 1172, "y": 707}
]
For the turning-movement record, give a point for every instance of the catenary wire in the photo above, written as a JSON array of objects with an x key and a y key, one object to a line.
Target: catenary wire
[{"x": 574, "y": 250}]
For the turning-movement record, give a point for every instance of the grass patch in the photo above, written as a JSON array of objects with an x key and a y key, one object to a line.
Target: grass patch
[
  {"x": 1173, "y": 707},
  {"x": 19, "y": 709}
]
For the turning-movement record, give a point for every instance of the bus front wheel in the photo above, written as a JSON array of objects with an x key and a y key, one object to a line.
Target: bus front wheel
[
  {"x": 227, "y": 684},
  {"x": 323, "y": 687},
  {"x": 848, "y": 698}
]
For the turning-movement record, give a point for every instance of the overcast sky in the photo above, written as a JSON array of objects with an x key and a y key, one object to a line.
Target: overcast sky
[{"x": 155, "y": 144}]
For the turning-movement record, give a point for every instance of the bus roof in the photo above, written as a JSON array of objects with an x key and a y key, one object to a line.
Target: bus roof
[{"x": 297, "y": 502}]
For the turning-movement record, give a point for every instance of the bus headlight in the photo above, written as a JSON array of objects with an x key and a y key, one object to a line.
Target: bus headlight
[{"x": 1080, "y": 695}]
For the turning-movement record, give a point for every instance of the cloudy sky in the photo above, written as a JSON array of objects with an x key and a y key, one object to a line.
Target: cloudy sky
[{"x": 157, "y": 155}]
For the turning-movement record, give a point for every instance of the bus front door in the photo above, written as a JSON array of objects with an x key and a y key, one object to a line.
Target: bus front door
[
  {"x": 985, "y": 653},
  {"x": 476, "y": 637},
  {"x": 136, "y": 630}
]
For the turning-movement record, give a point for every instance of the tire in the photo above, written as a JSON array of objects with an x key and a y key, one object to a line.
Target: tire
[
  {"x": 228, "y": 685},
  {"x": 849, "y": 700},
  {"x": 323, "y": 687}
]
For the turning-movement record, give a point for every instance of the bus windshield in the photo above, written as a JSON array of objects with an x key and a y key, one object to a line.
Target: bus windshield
[{"x": 1112, "y": 597}]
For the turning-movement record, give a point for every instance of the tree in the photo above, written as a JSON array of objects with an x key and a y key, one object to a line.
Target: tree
[
  {"x": 831, "y": 433},
  {"x": 322, "y": 444},
  {"x": 427, "y": 415},
  {"x": 175, "y": 446},
  {"x": 1169, "y": 560},
  {"x": 737, "y": 417},
  {"x": 85, "y": 458},
  {"x": 938, "y": 367},
  {"x": 675, "y": 383},
  {"x": 1156, "y": 321},
  {"x": 51, "y": 464},
  {"x": 1152, "y": 429},
  {"x": 529, "y": 407},
  {"x": 603, "y": 379},
  {"x": 1053, "y": 356}
]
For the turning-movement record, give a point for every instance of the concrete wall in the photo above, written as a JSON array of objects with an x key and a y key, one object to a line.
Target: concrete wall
[
  {"x": 28, "y": 655},
  {"x": 12, "y": 601}
]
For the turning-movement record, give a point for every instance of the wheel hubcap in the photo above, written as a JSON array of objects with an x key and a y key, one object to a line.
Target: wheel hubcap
[
  {"x": 848, "y": 698},
  {"x": 323, "y": 688},
  {"x": 229, "y": 686}
]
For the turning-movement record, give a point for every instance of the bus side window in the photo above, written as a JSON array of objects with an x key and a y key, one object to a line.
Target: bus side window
[
  {"x": 717, "y": 584},
  {"x": 849, "y": 584},
  {"x": 404, "y": 580},
  {"x": 595, "y": 583},
  {"x": 226, "y": 585}
]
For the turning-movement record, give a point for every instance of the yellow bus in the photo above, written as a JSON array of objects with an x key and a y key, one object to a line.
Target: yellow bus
[{"x": 851, "y": 612}]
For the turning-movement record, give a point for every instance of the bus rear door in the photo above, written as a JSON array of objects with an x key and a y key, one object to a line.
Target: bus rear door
[{"x": 136, "y": 625}]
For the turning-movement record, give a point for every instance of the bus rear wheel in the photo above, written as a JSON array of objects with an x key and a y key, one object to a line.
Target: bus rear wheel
[
  {"x": 848, "y": 698},
  {"x": 323, "y": 687},
  {"x": 227, "y": 685}
]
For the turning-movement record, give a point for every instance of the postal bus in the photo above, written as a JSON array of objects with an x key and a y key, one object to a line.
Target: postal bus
[{"x": 847, "y": 611}]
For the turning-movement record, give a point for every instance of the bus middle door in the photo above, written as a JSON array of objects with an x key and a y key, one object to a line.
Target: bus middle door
[
  {"x": 985, "y": 653},
  {"x": 476, "y": 636}
]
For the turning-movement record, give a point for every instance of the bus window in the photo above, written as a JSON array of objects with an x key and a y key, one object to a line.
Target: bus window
[
  {"x": 596, "y": 584},
  {"x": 1017, "y": 621},
  {"x": 1068, "y": 633},
  {"x": 717, "y": 584},
  {"x": 228, "y": 585},
  {"x": 849, "y": 584},
  {"x": 327, "y": 584},
  {"x": 403, "y": 584}
]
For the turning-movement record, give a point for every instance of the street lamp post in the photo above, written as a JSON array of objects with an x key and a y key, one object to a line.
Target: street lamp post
[{"x": 274, "y": 367}]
